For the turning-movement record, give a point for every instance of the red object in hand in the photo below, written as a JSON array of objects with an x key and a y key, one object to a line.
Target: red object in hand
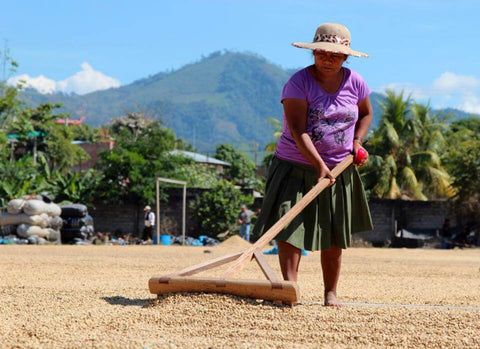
[{"x": 360, "y": 155}]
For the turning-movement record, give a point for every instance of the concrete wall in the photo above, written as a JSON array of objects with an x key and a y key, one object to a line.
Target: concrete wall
[
  {"x": 129, "y": 218},
  {"x": 390, "y": 214}
]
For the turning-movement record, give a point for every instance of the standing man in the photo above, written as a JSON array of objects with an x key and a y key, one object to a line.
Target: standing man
[
  {"x": 149, "y": 223},
  {"x": 244, "y": 221}
]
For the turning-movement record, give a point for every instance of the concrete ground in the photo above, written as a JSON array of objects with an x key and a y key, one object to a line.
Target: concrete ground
[{"x": 97, "y": 296}]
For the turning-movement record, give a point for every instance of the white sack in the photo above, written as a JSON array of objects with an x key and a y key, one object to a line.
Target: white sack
[
  {"x": 15, "y": 206},
  {"x": 16, "y": 219},
  {"x": 40, "y": 232},
  {"x": 35, "y": 207}
]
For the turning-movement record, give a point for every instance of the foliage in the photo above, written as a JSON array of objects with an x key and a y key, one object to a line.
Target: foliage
[
  {"x": 85, "y": 133},
  {"x": 39, "y": 152},
  {"x": 463, "y": 163},
  {"x": 69, "y": 186},
  {"x": 9, "y": 105},
  {"x": 241, "y": 167},
  {"x": 140, "y": 155},
  {"x": 181, "y": 144},
  {"x": 405, "y": 152},
  {"x": 197, "y": 176},
  {"x": 133, "y": 125},
  {"x": 216, "y": 210},
  {"x": 19, "y": 178},
  {"x": 277, "y": 127},
  {"x": 36, "y": 133}
]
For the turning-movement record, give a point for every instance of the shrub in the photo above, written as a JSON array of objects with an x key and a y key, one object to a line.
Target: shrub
[{"x": 216, "y": 210}]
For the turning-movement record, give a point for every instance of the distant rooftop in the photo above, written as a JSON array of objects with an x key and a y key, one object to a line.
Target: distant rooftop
[{"x": 199, "y": 157}]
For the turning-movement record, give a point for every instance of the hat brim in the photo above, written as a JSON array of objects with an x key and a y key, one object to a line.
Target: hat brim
[{"x": 330, "y": 47}]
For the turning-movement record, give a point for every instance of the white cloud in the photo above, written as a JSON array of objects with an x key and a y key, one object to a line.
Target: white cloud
[
  {"x": 40, "y": 83},
  {"x": 85, "y": 81},
  {"x": 416, "y": 92},
  {"x": 448, "y": 90},
  {"x": 453, "y": 82},
  {"x": 471, "y": 104}
]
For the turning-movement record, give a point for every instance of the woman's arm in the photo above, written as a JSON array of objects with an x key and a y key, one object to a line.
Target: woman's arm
[
  {"x": 296, "y": 114},
  {"x": 365, "y": 117}
]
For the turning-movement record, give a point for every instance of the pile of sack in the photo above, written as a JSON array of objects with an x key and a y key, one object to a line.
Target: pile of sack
[
  {"x": 77, "y": 224},
  {"x": 33, "y": 220}
]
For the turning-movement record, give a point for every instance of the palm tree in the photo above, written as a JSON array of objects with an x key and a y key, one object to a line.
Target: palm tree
[
  {"x": 405, "y": 150},
  {"x": 277, "y": 127}
]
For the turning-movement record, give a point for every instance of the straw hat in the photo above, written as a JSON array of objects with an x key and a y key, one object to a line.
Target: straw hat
[
  {"x": 147, "y": 208},
  {"x": 331, "y": 37}
]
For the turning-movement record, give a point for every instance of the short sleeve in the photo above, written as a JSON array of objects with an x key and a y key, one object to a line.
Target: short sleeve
[
  {"x": 295, "y": 87},
  {"x": 363, "y": 91}
]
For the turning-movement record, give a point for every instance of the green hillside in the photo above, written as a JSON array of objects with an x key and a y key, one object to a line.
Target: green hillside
[{"x": 223, "y": 98}]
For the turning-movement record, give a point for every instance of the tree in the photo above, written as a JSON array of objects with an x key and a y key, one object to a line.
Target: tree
[
  {"x": 406, "y": 152},
  {"x": 464, "y": 166},
  {"x": 463, "y": 130},
  {"x": 9, "y": 105},
  {"x": 142, "y": 153},
  {"x": 134, "y": 124},
  {"x": 36, "y": 133},
  {"x": 85, "y": 133},
  {"x": 216, "y": 210},
  {"x": 463, "y": 163},
  {"x": 241, "y": 167},
  {"x": 271, "y": 147}
]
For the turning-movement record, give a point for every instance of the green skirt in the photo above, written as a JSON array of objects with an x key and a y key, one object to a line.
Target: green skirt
[{"x": 330, "y": 219}]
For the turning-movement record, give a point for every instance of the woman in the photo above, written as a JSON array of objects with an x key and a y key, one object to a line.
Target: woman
[{"x": 327, "y": 113}]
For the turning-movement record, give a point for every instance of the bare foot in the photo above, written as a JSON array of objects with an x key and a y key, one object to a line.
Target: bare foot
[{"x": 331, "y": 300}]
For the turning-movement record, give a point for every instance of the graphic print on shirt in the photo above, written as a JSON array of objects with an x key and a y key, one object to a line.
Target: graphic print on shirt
[
  {"x": 318, "y": 124},
  {"x": 315, "y": 115}
]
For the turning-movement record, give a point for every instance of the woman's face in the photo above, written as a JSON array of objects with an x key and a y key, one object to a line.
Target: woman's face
[{"x": 329, "y": 62}]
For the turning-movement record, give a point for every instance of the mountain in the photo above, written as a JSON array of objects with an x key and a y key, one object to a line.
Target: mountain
[{"x": 223, "y": 98}]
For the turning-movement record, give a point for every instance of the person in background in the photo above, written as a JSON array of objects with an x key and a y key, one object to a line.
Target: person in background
[
  {"x": 446, "y": 233},
  {"x": 149, "y": 223},
  {"x": 244, "y": 219}
]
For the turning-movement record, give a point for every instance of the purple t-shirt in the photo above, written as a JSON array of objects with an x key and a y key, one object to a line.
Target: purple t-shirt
[{"x": 331, "y": 117}]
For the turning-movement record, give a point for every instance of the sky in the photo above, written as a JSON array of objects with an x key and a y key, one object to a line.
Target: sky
[{"x": 427, "y": 48}]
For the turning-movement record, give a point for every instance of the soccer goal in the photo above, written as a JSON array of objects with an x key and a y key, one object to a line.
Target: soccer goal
[{"x": 184, "y": 206}]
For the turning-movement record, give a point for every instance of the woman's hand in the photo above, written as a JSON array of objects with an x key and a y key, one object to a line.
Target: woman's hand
[
  {"x": 324, "y": 172},
  {"x": 359, "y": 159}
]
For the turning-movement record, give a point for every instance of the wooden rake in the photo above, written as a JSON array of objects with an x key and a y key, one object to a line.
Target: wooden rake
[{"x": 272, "y": 289}]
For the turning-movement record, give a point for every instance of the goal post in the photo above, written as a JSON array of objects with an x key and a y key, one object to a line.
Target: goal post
[{"x": 184, "y": 206}]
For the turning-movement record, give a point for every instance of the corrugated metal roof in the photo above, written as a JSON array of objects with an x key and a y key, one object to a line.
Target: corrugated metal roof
[{"x": 199, "y": 157}]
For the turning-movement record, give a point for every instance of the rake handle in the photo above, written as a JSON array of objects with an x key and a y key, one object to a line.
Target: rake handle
[{"x": 287, "y": 218}]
